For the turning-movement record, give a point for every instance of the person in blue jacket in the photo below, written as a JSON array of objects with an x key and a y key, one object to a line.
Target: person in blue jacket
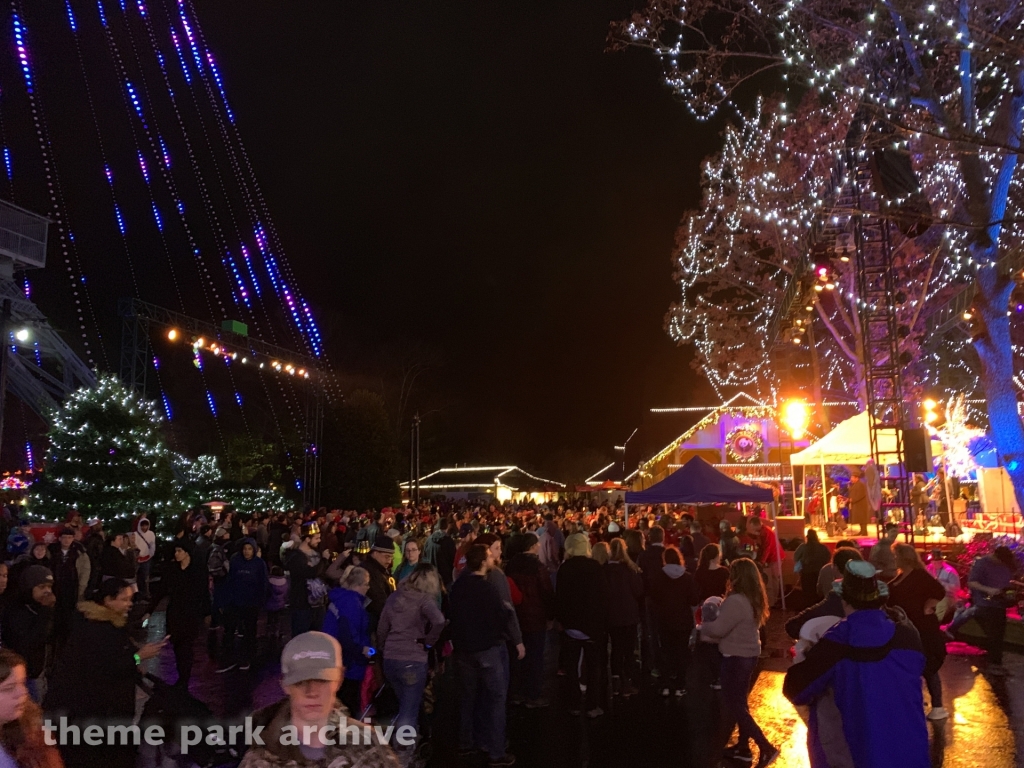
[
  {"x": 247, "y": 588},
  {"x": 870, "y": 665},
  {"x": 348, "y": 622}
]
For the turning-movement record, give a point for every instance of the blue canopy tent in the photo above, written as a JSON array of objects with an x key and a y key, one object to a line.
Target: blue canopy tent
[{"x": 697, "y": 482}]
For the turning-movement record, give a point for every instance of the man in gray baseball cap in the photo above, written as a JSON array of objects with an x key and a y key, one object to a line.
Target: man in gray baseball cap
[{"x": 310, "y": 728}]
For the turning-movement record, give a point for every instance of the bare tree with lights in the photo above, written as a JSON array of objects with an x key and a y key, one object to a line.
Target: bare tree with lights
[{"x": 941, "y": 82}]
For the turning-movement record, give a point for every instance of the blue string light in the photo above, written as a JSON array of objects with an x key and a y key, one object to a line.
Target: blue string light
[
  {"x": 103, "y": 13},
  {"x": 71, "y": 16},
  {"x": 181, "y": 57},
  {"x": 8, "y": 163},
  {"x": 252, "y": 272},
  {"x": 144, "y": 167},
  {"x": 220, "y": 85},
  {"x": 159, "y": 221},
  {"x": 134, "y": 99},
  {"x": 19, "y": 39}
]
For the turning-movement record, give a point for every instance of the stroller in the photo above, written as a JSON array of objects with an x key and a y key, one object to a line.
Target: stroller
[{"x": 172, "y": 708}]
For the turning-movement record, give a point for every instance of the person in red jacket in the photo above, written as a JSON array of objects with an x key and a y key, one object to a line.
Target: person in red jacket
[
  {"x": 768, "y": 556},
  {"x": 535, "y": 609}
]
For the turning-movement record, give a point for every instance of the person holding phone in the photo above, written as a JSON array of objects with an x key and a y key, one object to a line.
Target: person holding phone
[{"x": 94, "y": 678}]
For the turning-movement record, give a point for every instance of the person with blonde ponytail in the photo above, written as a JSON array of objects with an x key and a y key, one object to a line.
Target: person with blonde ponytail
[{"x": 736, "y": 630}]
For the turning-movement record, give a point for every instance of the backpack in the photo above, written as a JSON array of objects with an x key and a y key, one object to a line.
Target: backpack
[{"x": 217, "y": 564}]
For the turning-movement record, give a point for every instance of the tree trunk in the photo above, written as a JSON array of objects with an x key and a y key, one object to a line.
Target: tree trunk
[
  {"x": 819, "y": 400},
  {"x": 996, "y": 354}
]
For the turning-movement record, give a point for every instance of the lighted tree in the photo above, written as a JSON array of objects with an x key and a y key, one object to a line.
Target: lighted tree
[
  {"x": 942, "y": 81},
  {"x": 106, "y": 458},
  {"x": 767, "y": 197}
]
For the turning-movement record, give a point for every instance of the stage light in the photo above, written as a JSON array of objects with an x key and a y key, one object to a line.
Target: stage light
[
  {"x": 172, "y": 334},
  {"x": 200, "y": 342},
  {"x": 796, "y": 416},
  {"x": 21, "y": 335}
]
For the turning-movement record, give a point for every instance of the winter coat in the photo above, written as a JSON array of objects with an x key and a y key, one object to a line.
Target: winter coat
[
  {"x": 188, "y": 598},
  {"x": 248, "y": 582},
  {"x": 832, "y": 605},
  {"x": 27, "y": 628},
  {"x": 347, "y": 621},
  {"x": 70, "y": 572},
  {"x": 439, "y": 551},
  {"x": 910, "y": 592},
  {"x": 813, "y": 557},
  {"x": 581, "y": 597},
  {"x": 115, "y": 564},
  {"x": 301, "y": 568},
  {"x": 410, "y": 622},
  {"x": 675, "y": 594},
  {"x": 273, "y": 754},
  {"x": 278, "y": 599},
  {"x": 381, "y": 586},
  {"x": 477, "y": 614},
  {"x": 873, "y": 667},
  {"x": 625, "y": 594},
  {"x": 650, "y": 562},
  {"x": 552, "y": 542},
  {"x": 512, "y": 631},
  {"x": 18, "y": 543},
  {"x": 533, "y": 581},
  {"x": 95, "y": 675}
]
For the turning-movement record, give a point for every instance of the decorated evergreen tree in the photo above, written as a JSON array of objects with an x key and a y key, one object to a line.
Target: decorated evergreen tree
[{"x": 107, "y": 457}]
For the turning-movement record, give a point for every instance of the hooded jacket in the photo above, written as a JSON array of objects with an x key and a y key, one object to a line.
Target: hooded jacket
[
  {"x": 347, "y": 621},
  {"x": 27, "y": 629},
  {"x": 248, "y": 582},
  {"x": 439, "y": 551},
  {"x": 873, "y": 667},
  {"x": 274, "y": 754},
  {"x": 410, "y": 622},
  {"x": 675, "y": 593}
]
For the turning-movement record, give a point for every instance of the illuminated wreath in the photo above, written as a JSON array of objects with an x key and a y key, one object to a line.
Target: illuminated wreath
[{"x": 744, "y": 444}]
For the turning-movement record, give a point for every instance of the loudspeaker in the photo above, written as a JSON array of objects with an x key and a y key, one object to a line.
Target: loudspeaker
[
  {"x": 917, "y": 450},
  {"x": 791, "y": 527}
]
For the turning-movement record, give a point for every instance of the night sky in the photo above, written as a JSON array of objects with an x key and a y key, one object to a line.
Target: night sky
[
  {"x": 479, "y": 186},
  {"x": 478, "y": 190}
]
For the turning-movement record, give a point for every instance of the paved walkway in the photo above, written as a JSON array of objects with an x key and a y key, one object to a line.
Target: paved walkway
[{"x": 986, "y": 729}]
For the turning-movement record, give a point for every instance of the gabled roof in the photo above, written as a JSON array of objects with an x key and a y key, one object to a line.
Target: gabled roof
[
  {"x": 479, "y": 478},
  {"x": 741, "y": 402}
]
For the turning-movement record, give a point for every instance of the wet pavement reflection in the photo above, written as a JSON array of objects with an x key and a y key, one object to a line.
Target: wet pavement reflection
[{"x": 985, "y": 730}]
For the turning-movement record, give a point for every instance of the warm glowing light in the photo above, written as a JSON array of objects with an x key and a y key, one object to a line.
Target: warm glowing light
[
  {"x": 21, "y": 334},
  {"x": 796, "y": 416},
  {"x": 172, "y": 334}
]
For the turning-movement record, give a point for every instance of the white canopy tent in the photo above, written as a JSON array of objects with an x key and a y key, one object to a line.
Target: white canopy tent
[{"x": 849, "y": 443}]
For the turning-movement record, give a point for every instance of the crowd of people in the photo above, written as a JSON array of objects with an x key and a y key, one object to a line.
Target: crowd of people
[{"x": 485, "y": 595}]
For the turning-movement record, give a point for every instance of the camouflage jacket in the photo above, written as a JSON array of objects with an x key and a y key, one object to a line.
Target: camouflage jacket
[{"x": 274, "y": 754}]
